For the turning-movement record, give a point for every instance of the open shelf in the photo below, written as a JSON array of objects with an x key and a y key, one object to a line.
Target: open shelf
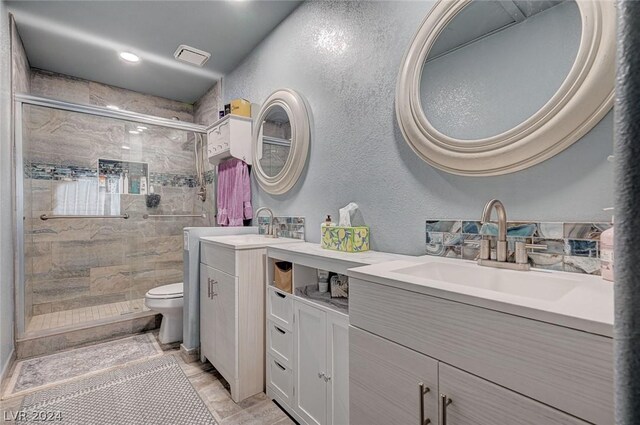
[
  {"x": 311, "y": 292},
  {"x": 305, "y": 285}
]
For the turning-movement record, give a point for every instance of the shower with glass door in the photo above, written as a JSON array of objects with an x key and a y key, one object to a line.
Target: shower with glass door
[{"x": 104, "y": 197}]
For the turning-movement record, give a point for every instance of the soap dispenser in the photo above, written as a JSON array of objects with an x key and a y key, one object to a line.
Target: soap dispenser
[{"x": 606, "y": 252}]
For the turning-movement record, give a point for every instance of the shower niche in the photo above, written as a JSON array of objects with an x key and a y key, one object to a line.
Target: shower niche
[{"x": 123, "y": 177}]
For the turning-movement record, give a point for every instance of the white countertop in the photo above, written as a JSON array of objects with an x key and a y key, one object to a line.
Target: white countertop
[
  {"x": 315, "y": 250},
  {"x": 246, "y": 241},
  {"x": 587, "y": 307}
]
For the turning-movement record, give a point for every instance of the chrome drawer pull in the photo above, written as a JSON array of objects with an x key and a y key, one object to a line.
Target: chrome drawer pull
[{"x": 423, "y": 391}]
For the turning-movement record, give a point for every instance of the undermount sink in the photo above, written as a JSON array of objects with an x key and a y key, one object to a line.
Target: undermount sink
[{"x": 530, "y": 284}]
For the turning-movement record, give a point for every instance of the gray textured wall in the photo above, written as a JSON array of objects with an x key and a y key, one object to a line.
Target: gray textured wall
[
  {"x": 6, "y": 220},
  {"x": 627, "y": 267},
  {"x": 344, "y": 58}
]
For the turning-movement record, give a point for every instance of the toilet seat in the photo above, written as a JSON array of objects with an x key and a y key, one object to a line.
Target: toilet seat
[{"x": 173, "y": 290}]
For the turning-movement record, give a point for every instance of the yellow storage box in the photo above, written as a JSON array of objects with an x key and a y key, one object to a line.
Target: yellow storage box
[
  {"x": 347, "y": 239},
  {"x": 241, "y": 107}
]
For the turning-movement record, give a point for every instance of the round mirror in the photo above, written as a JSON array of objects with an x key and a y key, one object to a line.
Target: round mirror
[
  {"x": 491, "y": 87},
  {"x": 276, "y": 141},
  {"x": 281, "y": 141}
]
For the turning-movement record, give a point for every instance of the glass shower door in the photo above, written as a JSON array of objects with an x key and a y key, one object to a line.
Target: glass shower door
[{"x": 105, "y": 204}]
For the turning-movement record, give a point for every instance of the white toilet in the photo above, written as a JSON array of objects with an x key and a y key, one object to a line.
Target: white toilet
[{"x": 168, "y": 301}]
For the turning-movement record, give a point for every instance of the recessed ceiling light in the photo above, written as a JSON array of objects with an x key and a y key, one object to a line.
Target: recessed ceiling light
[
  {"x": 142, "y": 127},
  {"x": 114, "y": 107},
  {"x": 134, "y": 132},
  {"x": 129, "y": 57},
  {"x": 126, "y": 147}
]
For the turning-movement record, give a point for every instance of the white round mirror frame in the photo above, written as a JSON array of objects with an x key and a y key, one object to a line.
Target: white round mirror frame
[
  {"x": 296, "y": 109},
  {"x": 583, "y": 99}
]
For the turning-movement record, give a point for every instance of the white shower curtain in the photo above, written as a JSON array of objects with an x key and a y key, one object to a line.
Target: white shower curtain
[{"x": 82, "y": 197}]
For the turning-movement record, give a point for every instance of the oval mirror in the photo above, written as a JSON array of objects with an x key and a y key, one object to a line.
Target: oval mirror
[
  {"x": 490, "y": 87},
  {"x": 281, "y": 141}
]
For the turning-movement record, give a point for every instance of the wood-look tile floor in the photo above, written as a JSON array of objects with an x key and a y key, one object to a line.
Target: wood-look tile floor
[
  {"x": 76, "y": 316},
  {"x": 256, "y": 410}
]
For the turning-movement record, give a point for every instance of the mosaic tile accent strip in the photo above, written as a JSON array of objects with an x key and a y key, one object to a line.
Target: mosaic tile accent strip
[
  {"x": 40, "y": 171},
  {"x": 571, "y": 247},
  {"x": 288, "y": 227}
]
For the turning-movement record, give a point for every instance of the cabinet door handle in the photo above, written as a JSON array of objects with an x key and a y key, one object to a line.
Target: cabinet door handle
[
  {"x": 423, "y": 391},
  {"x": 279, "y": 365},
  {"x": 281, "y": 295},
  {"x": 279, "y": 330},
  {"x": 209, "y": 288},
  {"x": 444, "y": 402}
]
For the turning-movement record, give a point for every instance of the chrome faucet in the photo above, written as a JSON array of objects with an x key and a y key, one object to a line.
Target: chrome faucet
[
  {"x": 502, "y": 252},
  {"x": 271, "y": 231},
  {"x": 501, "y": 247}
]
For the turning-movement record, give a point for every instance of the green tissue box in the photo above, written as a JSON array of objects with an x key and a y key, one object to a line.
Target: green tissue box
[{"x": 347, "y": 239}]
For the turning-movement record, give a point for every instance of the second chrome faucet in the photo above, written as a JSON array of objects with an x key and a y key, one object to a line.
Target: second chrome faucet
[{"x": 502, "y": 250}]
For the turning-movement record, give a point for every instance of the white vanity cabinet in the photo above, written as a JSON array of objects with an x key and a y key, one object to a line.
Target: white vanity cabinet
[
  {"x": 232, "y": 300},
  {"x": 321, "y": 364},
  {"x": 308, "y": 335},
  {"x": 218, "y": 316},
  {"x": 494, "y": 367}
]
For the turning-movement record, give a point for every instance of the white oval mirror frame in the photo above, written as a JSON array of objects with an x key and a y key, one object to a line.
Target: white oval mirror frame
[
  {"x": 583, "y": 99},
  {"x": 295, "y": 107}
]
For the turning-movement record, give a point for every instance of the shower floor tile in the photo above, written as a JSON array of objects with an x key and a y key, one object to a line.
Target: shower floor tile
[{"x": 84, "y": 314}]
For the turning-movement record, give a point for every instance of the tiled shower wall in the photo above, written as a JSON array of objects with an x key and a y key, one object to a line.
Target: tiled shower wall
[
  {"x": 81, "y": 262},
  {"x": 570, "y": 247}
]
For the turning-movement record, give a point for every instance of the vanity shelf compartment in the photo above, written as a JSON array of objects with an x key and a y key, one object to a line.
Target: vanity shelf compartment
[
  {"x": 305, "y": 282},
  {"x": 311, "y": 293},
  {"x": 280, "y": 274}
]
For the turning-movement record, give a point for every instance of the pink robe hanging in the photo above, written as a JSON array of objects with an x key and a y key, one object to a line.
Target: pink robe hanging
[{"x": 234, "y": 193}]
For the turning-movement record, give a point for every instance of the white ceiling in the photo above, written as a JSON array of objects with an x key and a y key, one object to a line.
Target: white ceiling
[{"x": 83, "y": 39}]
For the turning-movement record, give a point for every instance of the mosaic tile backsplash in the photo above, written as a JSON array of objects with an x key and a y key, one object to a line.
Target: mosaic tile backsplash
[
  {"x": 288, "y": 227},
  {"x": 44, "y": 171},
  {"x": 571, "y": 247}
]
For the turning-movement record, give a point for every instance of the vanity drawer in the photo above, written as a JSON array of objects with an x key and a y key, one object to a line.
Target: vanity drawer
[
  {"x": 564, "y": 368},
  {"x": 218, "y": 257},
  {"x": 280, "y": 379},
  {"x": 280, "y": 343},
  {"x": 280, "y": 308}
]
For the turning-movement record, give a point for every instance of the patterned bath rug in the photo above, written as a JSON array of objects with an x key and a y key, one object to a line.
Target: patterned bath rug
[
  {"x": 153, "y": 392},
  {"x": 56, "y": 368}
]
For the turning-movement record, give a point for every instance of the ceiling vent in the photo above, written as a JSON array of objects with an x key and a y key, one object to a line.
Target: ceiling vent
[{"x": 191, "y": 55}]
